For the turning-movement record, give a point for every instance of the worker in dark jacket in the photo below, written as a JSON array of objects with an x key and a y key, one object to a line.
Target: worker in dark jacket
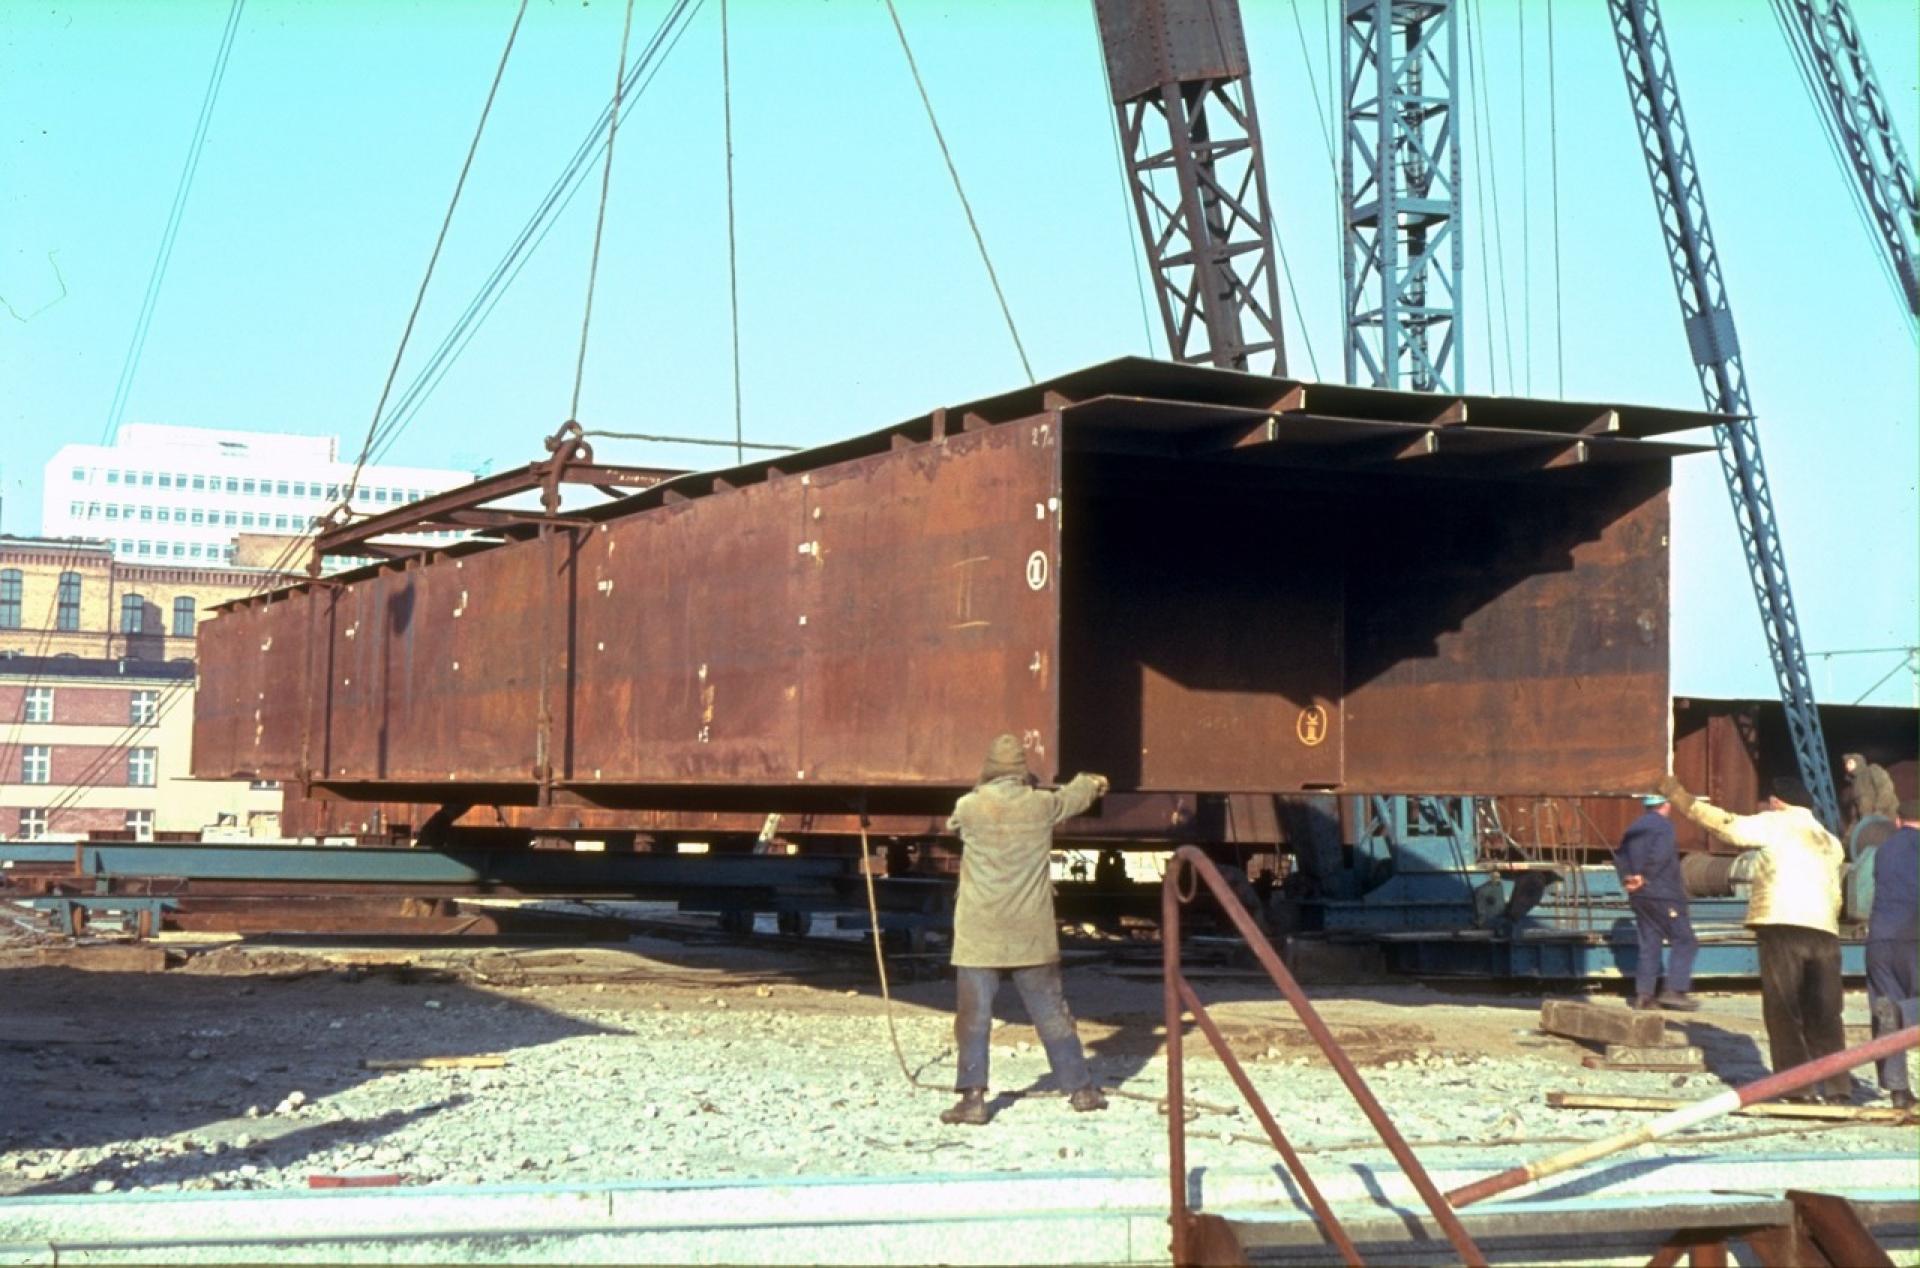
[
  {"x": 1893, "y": 944},
  {"x": 1869, "y": 788},
  {"x": 1649, "y": 868},
  {"x": 1003, "y": 923}
]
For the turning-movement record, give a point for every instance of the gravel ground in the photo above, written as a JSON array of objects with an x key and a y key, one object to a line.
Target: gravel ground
[{"x": 243, "y": 1069}]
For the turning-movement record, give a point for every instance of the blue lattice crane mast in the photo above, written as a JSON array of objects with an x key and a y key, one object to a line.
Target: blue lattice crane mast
[
  {"x": 1177, "y": 70},
  {"x": 1715, "y": 345},
  {"x": 1827, "y": 40},
  {"x": 1400, "y": 193}
]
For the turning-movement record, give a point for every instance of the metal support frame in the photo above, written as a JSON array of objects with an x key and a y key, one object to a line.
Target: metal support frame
[
  {"x": 1857, "y": 111},
  {"x": 1400, "y": 193},
  {"x": 1715, "y": 345},
  {"x": 1178, "y": 71}
]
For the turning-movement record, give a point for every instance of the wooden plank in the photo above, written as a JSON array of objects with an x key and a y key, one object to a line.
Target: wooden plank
[
  {"x": 1678, "y": 1055},
  {"x": 1769, "y": 1109},
  {"x": 1577, "y": 1019},
  {"x": 479, "y": 1061}
]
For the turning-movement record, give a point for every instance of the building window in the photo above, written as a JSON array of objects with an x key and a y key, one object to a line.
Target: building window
[
  {"x": 247, "y": 487},
  {"x": 133, "y": 612},
  {"x": 79, "y": 473},
  {"x": 280, "y": 521},
  {"x": 166, "y": 481},
  {"x": 179, "y": 514},
  {"x": 264, "y": 785},
  {"x": 9, "y": 598},
  {"x": 39, "y": 704},
  {"x": 299, "y": 488},
  {"x": 179, "y": 550},
  {"x": 281, "y": 488},
  {"x": 183, "y": 617},
  {"x": 140, "y": 823},
  {"x": 246, "y": 519},
  {"x": 200, "y": 482},
  {"x": 140, "y": 767},
  {"x": 199, "y": 517},
  {"x": 146, "y": 513},
  {"x": 142, "y": 706},
  {"x": 113, "y": 477},
  {"x": 146, "y": 479},
  {"x": 33, "y": 824},
  {"x": 67, "y": 612},
  {"x": 113, "y": 512},
  {"x": 36, "y": 764}
]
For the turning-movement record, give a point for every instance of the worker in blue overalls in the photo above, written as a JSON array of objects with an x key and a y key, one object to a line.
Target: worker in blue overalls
[
  {"x": 1893, "y": 944},
  {"x": 1649, "y": 867}
]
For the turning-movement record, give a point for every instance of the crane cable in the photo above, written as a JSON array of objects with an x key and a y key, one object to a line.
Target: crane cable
[
  {"x": 600, "y": 220},
  {"x": 1482, "y": 94},
  {"x": 733, "y": 261},
  {"x": 965, "y": 205},
  {"x": 532, "y": 234},
  {"x": 1553, "y": 135},
  {"x": 1526, "y": 213},
  {"x": 130, "y": 364},
  {"x": 406, "y": 333}
]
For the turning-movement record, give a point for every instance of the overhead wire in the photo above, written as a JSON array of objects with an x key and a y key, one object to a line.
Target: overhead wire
[
  {"x": 966, "y": 205},
  {"x": 157, "y": 276},
  {"x": 733, "y": 263}
]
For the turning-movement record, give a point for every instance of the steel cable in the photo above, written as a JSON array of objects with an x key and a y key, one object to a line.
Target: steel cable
[
  {"x": 733, "y": 263},
  {"x": 130, "y": 364},
  {"x": 600, "y": 219},
  {"x": 439, "y": 241},
  {"x": 965, "y": 205},
  {"x": 1553, "y": 135}
]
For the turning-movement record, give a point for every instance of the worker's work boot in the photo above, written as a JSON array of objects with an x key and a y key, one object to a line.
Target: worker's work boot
[
  {"x": 1677, "y": 1002},
  {"x": 1640, "y": 1003},
  {"x": 1903, "y": 1100},
  {"x": 970, "y": 1109},
  {"x": 1086, "y": 1099}
]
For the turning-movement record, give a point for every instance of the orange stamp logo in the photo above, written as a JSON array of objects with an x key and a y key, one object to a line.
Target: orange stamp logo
[{"x": 1311, "y": 726}]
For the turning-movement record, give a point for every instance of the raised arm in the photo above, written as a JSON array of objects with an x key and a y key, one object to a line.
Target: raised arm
[{"x": 1080, "y": 792}]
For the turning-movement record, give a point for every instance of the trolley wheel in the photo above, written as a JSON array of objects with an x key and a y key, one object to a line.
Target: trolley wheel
[
  {"x": 739, "y": 924},
  {"x": 911, "y": 941},
  {"x": 796, "y": 924}
]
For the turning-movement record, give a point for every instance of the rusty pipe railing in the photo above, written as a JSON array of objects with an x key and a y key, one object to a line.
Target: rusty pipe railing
[{"x": 1189, "y": 862}]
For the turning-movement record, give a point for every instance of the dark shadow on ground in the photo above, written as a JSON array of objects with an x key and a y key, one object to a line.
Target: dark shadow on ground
[{"x": 82, "y": 1068}]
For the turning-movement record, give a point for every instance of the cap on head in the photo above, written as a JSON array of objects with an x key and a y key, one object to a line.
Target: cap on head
[
  {"x": 1653, "y": 801},
  {"x": 1792, "y": 791},
  {"x": 1005, "y": 756}
]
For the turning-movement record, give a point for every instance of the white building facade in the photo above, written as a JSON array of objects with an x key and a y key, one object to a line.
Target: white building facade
[{"x": 184, "y": 495}]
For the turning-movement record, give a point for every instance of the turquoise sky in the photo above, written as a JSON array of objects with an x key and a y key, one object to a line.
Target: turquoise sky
[{"x": 340, "y": 128}]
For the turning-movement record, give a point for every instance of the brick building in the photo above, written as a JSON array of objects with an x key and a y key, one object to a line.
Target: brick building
[{"x": 96, "y": 695}]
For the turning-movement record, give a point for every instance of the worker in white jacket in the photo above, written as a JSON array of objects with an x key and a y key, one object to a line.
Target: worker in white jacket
[{"x": 1793, "y": 909}]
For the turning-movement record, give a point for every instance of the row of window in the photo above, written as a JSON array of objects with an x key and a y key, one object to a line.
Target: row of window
[
  {"x": 177, "y": 550},
  {"x": 142, "y": 706},
  {"x": 66, "y": 600},
  {"x": 36, "y": 765},
  {"x": 33, "y": 824},
  {"x": 247, "y": 486},
  {"x": 137, "y": 616},
  {"x": 197, "y": 517}
]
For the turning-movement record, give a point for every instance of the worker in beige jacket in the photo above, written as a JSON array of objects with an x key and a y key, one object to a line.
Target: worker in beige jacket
[
  {"x": 1793, "y": 908},
  {"x": 1003, "y": 923}
]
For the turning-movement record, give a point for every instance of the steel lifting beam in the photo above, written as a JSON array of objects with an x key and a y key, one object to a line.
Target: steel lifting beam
[
  {"x": 1682, "y": 209},
  {"x": 1178, "y": 74},
  {"x": 1829, "y": 40},
  {"x": 1400, "y": 193}
]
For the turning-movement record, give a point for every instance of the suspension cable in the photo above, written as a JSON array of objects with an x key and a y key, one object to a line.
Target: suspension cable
[
  {"x": 600, "y": 219},
  {"x": 493, "y": 89},
  {"x": 1553, "y": 136},
  {"x": 158, "y": 276},
  {"x": 1526, "y": 214},
  {"x": 1484, "y": 94},
  {"x": 966, "y": 206},
  {"x": 733, "y": 265}
]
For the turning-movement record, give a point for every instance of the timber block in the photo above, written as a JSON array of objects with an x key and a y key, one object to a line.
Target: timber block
[
  {"x": 1676, "y": 1055},
  {"x": 1601, "y": 1023}
]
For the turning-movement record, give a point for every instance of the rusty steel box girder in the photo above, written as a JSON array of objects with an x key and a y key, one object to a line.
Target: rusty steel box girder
[{"x": 1195, "y": 581}]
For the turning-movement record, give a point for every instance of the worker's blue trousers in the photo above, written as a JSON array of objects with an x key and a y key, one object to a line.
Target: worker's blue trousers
[
  {"x": 1661, "y": 921},
  {"x": 1892, "y": 968},
  {"x": 1045, "y": 998}
]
